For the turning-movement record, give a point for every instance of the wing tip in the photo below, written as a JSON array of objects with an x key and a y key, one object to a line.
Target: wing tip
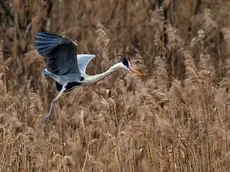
[{"x": 46, "y": 42}]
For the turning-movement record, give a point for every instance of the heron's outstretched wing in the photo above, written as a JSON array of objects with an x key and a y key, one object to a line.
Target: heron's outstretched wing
[
  {"x": 61, "y": 53},
  {"x": 83, "y": 61}
]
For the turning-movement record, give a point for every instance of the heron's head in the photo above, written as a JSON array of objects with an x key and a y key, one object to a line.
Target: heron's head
[{"x": 127, "y": 66}]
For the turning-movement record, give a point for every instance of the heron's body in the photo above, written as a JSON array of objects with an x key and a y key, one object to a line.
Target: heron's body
[
  {"x": 69, "y": 86},
  {"x": 66, "y": 67}
]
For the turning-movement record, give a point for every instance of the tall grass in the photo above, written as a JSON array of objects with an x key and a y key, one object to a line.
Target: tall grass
[{"x": 176, "y": 118}]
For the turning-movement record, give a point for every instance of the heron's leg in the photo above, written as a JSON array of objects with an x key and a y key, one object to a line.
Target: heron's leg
[{"x": 56, "y": 98}]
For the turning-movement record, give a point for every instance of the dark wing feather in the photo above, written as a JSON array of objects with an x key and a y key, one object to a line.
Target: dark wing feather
[{"x": 61, "y": 53}]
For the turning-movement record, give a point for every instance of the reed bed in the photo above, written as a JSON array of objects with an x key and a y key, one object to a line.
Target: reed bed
[{"x": 175, "y": 118}]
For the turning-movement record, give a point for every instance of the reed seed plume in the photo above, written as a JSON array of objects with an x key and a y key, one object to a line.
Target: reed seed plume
[{"x": 161, "y": 73}]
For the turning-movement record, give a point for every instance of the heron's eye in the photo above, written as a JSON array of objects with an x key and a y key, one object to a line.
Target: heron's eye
[{"x": 125, "y": 62}]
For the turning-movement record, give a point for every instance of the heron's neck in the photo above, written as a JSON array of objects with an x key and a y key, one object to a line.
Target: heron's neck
[{"x": 94, "y": 78}]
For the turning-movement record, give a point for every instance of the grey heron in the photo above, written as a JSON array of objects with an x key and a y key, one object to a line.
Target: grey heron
[{"x": 67, "y": 67}]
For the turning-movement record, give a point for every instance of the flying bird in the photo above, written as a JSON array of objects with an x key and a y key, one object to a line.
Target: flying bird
[{"x": 67, "y": 67}]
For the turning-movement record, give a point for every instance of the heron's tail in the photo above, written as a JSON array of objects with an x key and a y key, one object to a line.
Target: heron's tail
[
  {"x": 46, "y": 42},
  {"x": 46, "y": 72}
]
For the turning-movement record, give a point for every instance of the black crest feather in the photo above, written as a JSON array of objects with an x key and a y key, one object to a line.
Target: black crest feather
[{"x": 125, "y": 62}]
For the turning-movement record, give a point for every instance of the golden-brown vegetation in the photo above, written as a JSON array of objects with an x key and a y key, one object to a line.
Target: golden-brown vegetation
[{"x": 174, "y": 119}]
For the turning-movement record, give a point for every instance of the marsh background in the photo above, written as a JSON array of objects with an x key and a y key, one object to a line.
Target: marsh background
[{"x": 176, "y": 118}]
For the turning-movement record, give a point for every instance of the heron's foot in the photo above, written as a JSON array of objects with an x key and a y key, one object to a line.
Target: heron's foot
[{"x": 47, "y": 118}]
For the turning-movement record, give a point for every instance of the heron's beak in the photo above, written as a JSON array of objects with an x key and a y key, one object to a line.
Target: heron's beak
[{"x": 133, "y": 70}]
